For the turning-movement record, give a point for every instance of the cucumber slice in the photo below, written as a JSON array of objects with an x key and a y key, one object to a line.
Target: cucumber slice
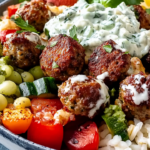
[
  {"x": 52, "y": 85},
  {"x": 27, "y": 89},
  {"x": 42, "y": 86}
]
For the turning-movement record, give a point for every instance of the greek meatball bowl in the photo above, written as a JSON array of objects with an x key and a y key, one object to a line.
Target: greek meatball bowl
[{"x": 75, "y": 75}]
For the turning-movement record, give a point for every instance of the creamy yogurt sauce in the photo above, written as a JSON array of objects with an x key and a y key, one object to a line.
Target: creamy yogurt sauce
[
  {"x": 104, "y": 98},
  {"x": 137, "y": 97},
  {"x": 95, "y": 24}
]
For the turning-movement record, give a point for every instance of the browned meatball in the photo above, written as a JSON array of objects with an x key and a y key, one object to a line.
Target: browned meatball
[
  {"x": 116, "y": 63},
  {"x": 36, "y": 13},
  {"x": 21, "y": 49},
  {"x": 134, "y": 96},
  {"x": 142, "y": 17},
  {"x": 62, "y": 58},
  {"x": 83, "y": 95}
]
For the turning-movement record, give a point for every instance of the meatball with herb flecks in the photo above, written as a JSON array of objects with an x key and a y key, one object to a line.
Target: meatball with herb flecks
[
  {"x": 108, "y": 58},
  {"x": 36, "y": 12},
  {"x": 62, "y": 58},
  {"x": 83, "y": 95},
  {"x": 21, "y": 48},
  {"x": 134, "y": 96}
]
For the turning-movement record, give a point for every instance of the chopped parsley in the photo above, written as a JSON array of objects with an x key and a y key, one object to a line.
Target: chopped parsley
[
  {"x": 53, "y": 44},
  {"x": 23, "y": 24},
  {"x": 54, "y": 65},
  {"x": 126, "y": 52},
  {"x": 20, "y": 31},
  {"x": 73, "y": 33},
  {"x": 108, "y": 48},
  {"x": 47, "y": 33},
  {"x": 41, "y": 47},
  {"x": 20, "y": 1}
]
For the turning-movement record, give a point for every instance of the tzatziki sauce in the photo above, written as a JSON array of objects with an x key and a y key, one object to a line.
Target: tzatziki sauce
[{"x": 95, "y": 24}]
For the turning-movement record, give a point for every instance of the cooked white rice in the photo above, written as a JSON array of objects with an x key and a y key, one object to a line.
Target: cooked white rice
[{"x": 139, "y": 135}]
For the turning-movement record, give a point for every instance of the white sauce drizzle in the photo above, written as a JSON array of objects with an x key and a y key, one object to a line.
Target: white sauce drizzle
[
  {"x": 35, "y": 38},
  {"x": 79, "y": 78},
  {"x": 137, "y": 97},
  {"x": 104, "y": 98},
  {"x": 103, "y": 76}
]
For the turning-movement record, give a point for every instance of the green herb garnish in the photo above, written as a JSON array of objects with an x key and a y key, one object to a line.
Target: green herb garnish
[
  {"x": 20, "y": 1},
  {"x": 126, "y": 52},
  {"x": 47, "y": 33},
  {"x": 73, "y": 33},
  {"x": 53, "y": 44},
  {"x": 148, "y": 11},
  {"x": 41, "y": 47},
  {"x": 108, "y": 48},
  {"x": 20, "y": 31},
  {"x": 23, "y": 24},
  {"x": 54, "y": 65}
]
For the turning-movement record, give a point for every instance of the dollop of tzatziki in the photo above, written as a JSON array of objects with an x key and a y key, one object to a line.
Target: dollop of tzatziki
[{"x": 95, "y": 24}]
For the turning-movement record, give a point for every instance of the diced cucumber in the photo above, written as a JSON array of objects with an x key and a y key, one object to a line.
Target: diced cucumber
[
  {"x": 27, "y": 89},
  {"x": 52, "y": 84},
  {"x": 42, "y": 86}
]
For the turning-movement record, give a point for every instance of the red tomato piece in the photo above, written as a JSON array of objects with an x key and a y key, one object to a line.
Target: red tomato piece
[
  {"x": 12, "y": 10},
  {"x": 50, "y": 135},
  {"x": 43, "y": 129},
  {"x": 85, "y": 137},
  {"x": 4, "y": 33},
  {"x": 39, "y": 104},
  {"x": 62, "y": 2}
]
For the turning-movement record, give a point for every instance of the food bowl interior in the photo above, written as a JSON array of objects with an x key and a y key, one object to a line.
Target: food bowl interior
[
  {"x": 5, "y": 3},
  {"x": 8, "y": 140}
]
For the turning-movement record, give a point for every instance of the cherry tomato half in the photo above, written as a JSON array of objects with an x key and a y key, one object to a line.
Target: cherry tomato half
[
  {"x": 50, "y": 135},
  {"x": 43, "y": 129},
  {"x": 85, "y": 137}
]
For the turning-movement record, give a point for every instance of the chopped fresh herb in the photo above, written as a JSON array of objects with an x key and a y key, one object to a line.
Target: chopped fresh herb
[
  {"x": 41, "y": 47},
  {"x": 47, "y": 33},
  {"x": 73, "y": 33},
  {"x": 22, "y": 4},
  {"x": 23, "y": 24},
  {"x": 64, "y": 35},
  {"x": 54, "y": 65},
  {"x": 20, "y": 1},
  {"x": 108, "y": 48},
  {"x": 20, "y": 31},
  {"x": 126, "y": 52},
  {"x": 53, "y": 44},
  {"x": 148, "y": 11}
]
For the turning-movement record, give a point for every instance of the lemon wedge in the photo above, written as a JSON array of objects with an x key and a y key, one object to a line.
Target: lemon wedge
[{"x": 147, "y": 2}]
